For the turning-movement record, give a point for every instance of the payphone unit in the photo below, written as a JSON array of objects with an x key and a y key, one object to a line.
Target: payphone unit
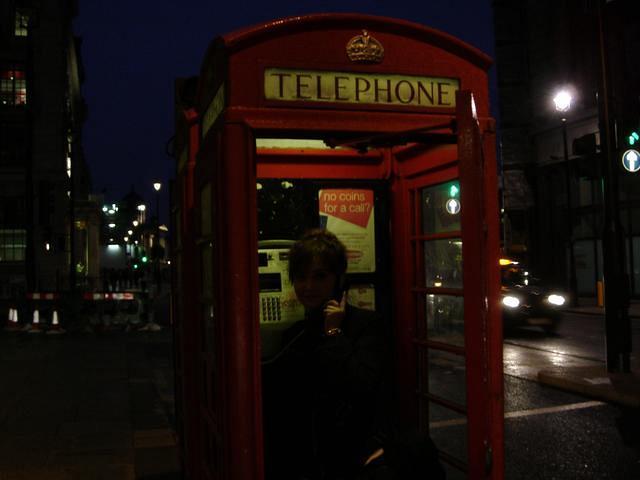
[{"x": 279, "y": 308}]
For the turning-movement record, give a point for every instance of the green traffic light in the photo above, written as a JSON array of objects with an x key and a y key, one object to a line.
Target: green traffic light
[
  {"x": 144, "y": 259},
  {"x": 135, "y": 266},
  {"x": 633, "y": 138},
  {"x": 453, "y": 191}
]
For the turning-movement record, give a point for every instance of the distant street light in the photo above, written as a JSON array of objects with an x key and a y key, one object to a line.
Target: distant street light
[
  {"x": 562, "y": 101},
  {"x": 141, "y": 208},
  {"x": 157, "y": 186}
]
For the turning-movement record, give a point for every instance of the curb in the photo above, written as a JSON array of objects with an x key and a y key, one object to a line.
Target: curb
[
  {"x": 621, "y": 389},
  {"x": 600, "y": 312}
]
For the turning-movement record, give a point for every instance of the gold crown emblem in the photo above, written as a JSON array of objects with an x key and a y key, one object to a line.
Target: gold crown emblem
[{"x": 365, "y": 49}]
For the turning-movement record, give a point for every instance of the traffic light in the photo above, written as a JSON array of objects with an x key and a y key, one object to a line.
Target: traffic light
[{"x": 633, "y": 138}]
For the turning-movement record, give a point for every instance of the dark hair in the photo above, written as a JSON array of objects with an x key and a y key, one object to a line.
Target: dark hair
[{"x": 317, "y": 243}]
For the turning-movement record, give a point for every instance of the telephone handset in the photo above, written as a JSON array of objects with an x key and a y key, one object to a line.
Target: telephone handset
[{"x": 342, "y": 288}]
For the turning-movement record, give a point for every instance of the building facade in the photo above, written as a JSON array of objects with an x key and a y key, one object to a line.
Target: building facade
[
  {"x": 551, "y": 160},
  {"x": 44, "y": 181}
]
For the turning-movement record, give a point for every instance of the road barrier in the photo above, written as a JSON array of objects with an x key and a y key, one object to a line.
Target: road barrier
[
  {"x": 55, "y": 328},
  {"x": 44, "y": 311},
  {"x": 12, "y": 321},
  {"x": 109, "y": 309},
  {"x": 43, "y": 306}
]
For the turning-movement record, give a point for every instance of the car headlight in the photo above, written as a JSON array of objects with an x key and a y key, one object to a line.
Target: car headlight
[
  {"x": 510, "y": 301},
  {"x": 555, "y": 299}
]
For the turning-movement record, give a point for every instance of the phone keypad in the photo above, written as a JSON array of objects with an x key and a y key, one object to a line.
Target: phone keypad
[{"x": 270, "y": 307}]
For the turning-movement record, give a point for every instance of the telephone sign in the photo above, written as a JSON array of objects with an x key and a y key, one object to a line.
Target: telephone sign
[{"x": 631, "y": 160}]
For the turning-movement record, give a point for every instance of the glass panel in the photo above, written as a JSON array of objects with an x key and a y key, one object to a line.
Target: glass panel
[
  {"x": 177, "y": 229},
  {"x": 208, "y": 330},
  {"x": 445, "y": 319},
  {"x": 207, "y": 270},
  {"x": 13, "y": 245},
  {"x": 585, "y": 191},
  {"x": 453, "y": 473},
  {"x": 447, "y": 374},
  {"x": 599, "y": 266},
  {"x": 448, "y": 430},
  {"x": 583, "y": 253},
  {"x": 22, "y": 23},
  {"x": 205, "y": 210},
  {"x": 441, "y": 208},
  {"x": 636, "y": 265},
  {"x": 443, "y": 263}
]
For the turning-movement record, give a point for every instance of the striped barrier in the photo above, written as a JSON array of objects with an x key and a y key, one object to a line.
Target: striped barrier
[
  {"x": 110, "y": 296},
  {"x": 106, "y": 310}
]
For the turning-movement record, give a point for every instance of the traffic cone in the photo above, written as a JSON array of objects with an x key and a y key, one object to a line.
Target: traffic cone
[
  {"x": 35, "y": 324},
  {"x": 55, "y": 329},
  {"x": 12, "y": 323}
]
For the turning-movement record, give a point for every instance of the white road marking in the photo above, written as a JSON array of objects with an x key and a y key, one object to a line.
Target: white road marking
[{"x": 523, "y": 413}]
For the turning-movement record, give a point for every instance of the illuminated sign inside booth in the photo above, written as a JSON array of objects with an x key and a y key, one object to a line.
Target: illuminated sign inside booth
[{"x": 359, "y": 88}]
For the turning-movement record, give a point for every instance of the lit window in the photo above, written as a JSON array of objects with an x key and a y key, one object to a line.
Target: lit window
[
  {"x": 13, "y": 245},
  {"x": 22, "y": 23},
  {"x": 13, "y": 87}
]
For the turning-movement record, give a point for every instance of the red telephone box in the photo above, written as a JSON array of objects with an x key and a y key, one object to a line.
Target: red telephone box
[{"x": 378, "y": 129}]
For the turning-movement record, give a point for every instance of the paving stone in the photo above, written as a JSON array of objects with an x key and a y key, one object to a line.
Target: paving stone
[
  {"x": 158, "y": 437},
  {"x": 152, "y": 462},
  {"x": 73, "y": 407}
]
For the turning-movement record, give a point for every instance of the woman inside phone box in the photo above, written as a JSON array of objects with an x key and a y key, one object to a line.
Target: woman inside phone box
[{"x": 326, "y": 396}]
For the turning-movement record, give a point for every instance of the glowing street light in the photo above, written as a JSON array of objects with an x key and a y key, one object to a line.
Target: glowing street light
[
  {"x": 156, "y": 244},
  {"x": 562, "y": 100}
]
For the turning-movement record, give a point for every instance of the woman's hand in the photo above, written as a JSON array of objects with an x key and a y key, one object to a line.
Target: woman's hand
[{"x": 334, "y": 313}]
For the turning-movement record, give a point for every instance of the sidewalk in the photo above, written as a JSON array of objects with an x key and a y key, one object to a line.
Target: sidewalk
[
  {"x": 595, "y": 381},
  {"x": 87, "y": 406}
]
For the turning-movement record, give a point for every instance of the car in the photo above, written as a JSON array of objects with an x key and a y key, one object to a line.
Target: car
[{"x": 526, "y": 301}]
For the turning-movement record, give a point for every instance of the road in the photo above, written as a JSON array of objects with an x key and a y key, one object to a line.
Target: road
[
  {"x": 549, "y": 433},
  {"x": 579, "y": 341},
  {"x": 553, "y": 434}
]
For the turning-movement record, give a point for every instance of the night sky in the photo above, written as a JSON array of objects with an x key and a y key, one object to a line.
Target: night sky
[{"x": 133, "y": 50}]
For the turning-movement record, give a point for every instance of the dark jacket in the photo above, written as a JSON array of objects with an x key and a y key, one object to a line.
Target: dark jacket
[{"x": 326, "y": 398}]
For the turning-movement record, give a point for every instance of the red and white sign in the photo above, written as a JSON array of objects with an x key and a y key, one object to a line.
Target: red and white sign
[
  {"x": 110, "y": 296},
  {"x": 349, "y": 213},
  {"x": 42, "y": 296}
]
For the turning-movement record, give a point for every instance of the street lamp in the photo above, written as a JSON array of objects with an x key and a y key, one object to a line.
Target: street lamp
[
  {"x": 562, "y": 101},
  {"x": 141, "y": 209},
  {"x": 157, "y": 186}
]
